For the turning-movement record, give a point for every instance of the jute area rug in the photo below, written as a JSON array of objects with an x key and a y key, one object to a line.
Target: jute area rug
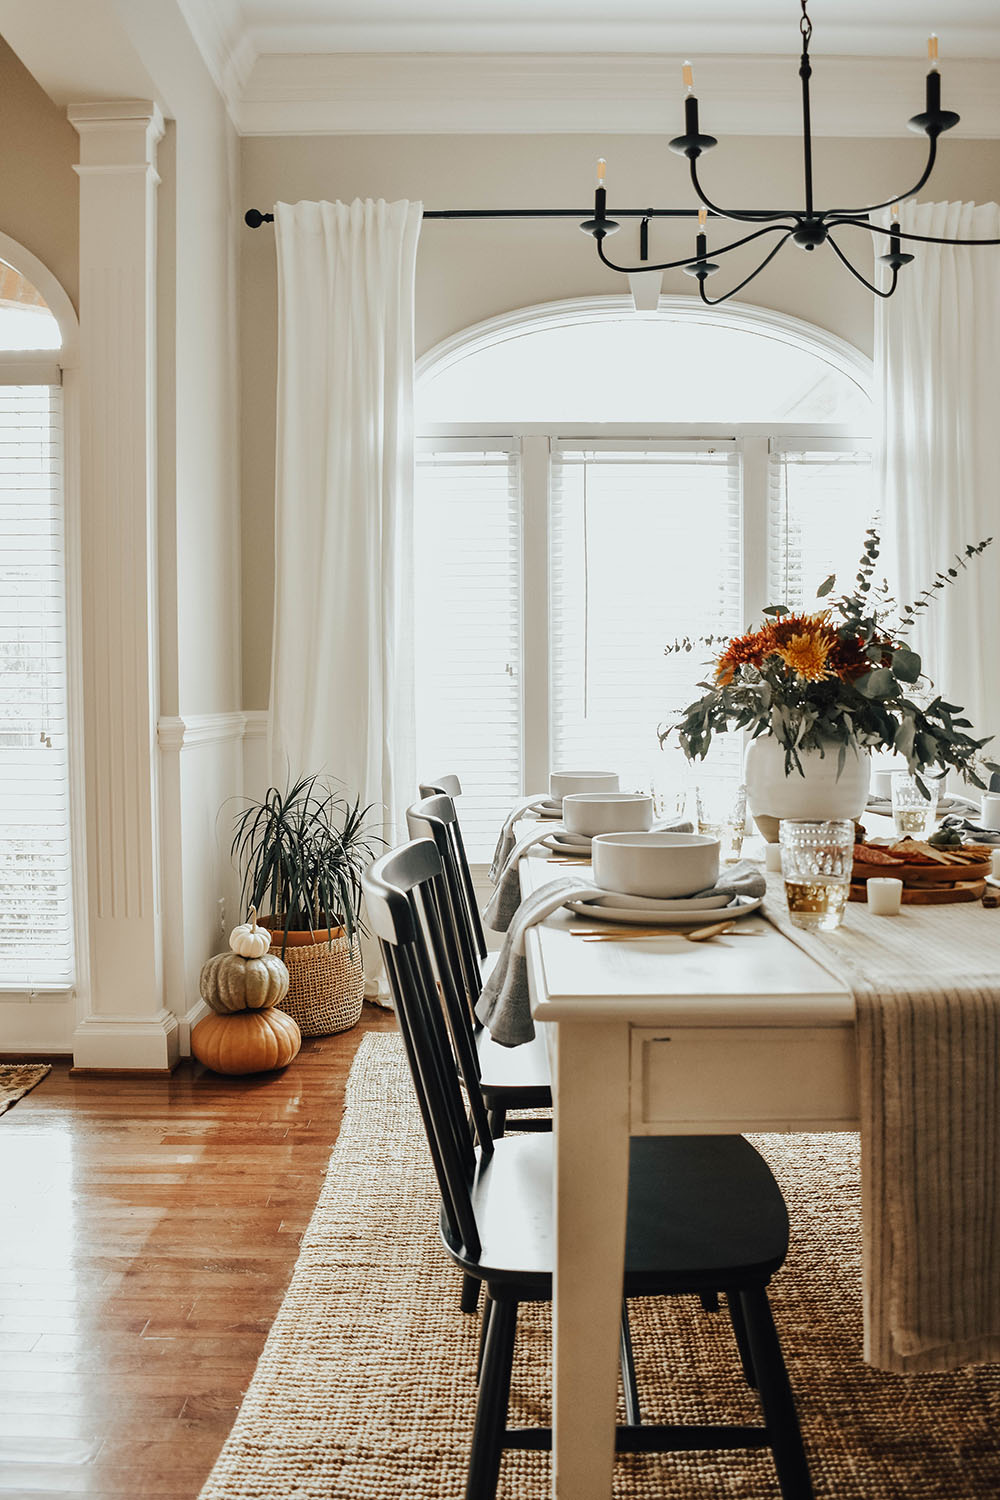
[
  {"x": 365, "y": 1389},
  {"x": 18, "y": 1079}
]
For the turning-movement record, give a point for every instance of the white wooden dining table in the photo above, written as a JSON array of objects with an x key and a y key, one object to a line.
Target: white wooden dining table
[{"x": 660, "y": 1036}]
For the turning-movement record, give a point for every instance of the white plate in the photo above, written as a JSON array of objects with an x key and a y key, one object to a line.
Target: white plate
[
  {"x": 741, "y": 906},
  {"x": 567, "y": 843},
  {"x": 548, "y": 812}
]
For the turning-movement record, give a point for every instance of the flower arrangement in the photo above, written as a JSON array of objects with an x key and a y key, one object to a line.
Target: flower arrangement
[{"x": 842, "y": 675}]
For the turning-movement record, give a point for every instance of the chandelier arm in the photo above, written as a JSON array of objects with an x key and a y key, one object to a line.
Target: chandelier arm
[
  {"x": 673, "y": 265},
  {"x": 850, "y": 213},
  {"x": 746, "y": 216},
  {"x": 711, "y": 301},
  {"x": 855, "y": 272},
  {"x": 907, "y": 234}
]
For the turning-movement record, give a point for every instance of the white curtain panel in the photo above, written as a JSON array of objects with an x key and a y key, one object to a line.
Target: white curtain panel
[
  {"x": 342, "y": 659},
  {"x": 937, "y": 366}
]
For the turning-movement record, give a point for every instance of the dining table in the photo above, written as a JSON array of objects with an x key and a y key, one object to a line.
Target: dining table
[{"x": 660, "y": 1036}]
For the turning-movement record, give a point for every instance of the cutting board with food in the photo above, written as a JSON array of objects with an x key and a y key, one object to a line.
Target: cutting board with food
[{"x": 933, "y": 871}]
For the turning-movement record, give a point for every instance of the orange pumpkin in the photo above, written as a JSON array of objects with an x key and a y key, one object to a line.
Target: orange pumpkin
[{"x": 247, "y": 1041}]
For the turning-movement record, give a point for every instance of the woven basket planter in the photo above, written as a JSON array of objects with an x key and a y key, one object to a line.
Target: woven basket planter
[{"x": 326, "y": 980}]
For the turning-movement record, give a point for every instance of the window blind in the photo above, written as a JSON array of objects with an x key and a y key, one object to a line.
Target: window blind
[
  {"x": 821, "y": 503},
  {"x": 468, "y": 627},
  {"x": 646, "y": 547},
  {"x": 36, "y": 932}
]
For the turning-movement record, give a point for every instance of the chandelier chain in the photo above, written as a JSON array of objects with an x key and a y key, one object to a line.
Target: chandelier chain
[{"x": 805, "y": 26}]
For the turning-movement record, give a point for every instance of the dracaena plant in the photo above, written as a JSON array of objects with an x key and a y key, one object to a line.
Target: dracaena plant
[
  {"x": 302, "y": 852},
  {"x": 843, "y": 675}
]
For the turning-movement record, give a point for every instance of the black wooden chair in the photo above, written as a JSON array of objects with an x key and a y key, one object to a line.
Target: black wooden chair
[
  {"x": 705, "y": 1215},
  {"x": 511, "y": 1078},
  {"x": 450, "y": 786}
]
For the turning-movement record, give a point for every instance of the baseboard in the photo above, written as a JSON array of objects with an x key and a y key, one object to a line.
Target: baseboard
[
  {"x": 147, "y": 1044},
  {"x": 186, "y": 1024}
]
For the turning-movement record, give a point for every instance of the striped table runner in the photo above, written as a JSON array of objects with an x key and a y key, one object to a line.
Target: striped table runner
[{"x": 926, "y": 987}]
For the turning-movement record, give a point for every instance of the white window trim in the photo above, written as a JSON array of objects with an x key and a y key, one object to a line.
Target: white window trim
[
  {"x": 61, "y": 366},
  {"x": 753, "y": 439}
]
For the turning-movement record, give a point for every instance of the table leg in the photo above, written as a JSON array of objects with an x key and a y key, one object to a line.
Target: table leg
[{"x": 590, "y": 1083}]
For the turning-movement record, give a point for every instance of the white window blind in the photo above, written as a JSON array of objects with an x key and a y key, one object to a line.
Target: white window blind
[
  {"x": 36, "y": 930},
  {"x": 468, "y": 627},
  {"x": 821, "y": 503},
  {"x": 646, "y": 546}
]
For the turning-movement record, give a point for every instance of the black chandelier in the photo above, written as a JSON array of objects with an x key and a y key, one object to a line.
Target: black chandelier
[{"x": 809, "y": 228}]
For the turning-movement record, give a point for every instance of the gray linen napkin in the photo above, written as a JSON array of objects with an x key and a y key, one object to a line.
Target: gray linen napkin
[
  {"x": 505, "y": 841},
  {"x": 971, "y": 830},
  {"x": 741, "y": 879},
  {"x": 506, "y": 898},
  {"x": 504, "y": 1005}
]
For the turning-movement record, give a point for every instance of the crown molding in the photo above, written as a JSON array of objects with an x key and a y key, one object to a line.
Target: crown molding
[
  {"x": 430, "y": 93},
  {"x": 227, "y": 49}
]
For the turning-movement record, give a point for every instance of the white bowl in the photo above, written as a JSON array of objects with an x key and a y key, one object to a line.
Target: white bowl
[
  {"x": 664, "y": 865},
  {"x": 563, "y": 783},
  {"x": 607, "y": 812}
]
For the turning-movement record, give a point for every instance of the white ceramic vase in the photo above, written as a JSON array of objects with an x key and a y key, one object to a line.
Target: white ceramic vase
[{"x": 818, "y": 794}]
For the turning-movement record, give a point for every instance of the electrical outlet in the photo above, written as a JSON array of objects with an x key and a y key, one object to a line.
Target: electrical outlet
[{"x": 222, "y": 915}]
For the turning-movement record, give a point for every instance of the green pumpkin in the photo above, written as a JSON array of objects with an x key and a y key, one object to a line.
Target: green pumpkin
[{"x": 230, "y": 983}]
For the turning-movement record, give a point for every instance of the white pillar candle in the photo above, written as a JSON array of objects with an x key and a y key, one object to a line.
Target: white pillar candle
[
  {"x": 885, "y": 897},
  {"x": 991, "y": 810},
  {"x": 995, "y": 864},
  {"x": 772, "y": 857}
]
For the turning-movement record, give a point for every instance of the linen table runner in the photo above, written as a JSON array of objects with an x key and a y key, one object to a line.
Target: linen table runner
[{"x": 926, "y": 988}]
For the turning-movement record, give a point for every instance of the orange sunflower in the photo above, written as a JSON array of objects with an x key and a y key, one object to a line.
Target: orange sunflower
[{"x": 804, "y": 643}]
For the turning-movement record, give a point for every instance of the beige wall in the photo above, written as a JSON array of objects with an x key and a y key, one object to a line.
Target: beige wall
[
  {"x": 470, "y": 271},
  {"x": 39, "y": 191}
]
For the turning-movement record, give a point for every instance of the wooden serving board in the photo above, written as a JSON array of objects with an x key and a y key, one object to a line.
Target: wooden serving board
[
  {"x": 929, "y": 895},
  {"x": 921, "y": 874}
]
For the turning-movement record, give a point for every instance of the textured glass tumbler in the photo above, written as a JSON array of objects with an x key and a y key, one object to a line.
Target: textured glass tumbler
[
  {"x": 912, "y": 812},
  {"x": 816, "y": 859}
]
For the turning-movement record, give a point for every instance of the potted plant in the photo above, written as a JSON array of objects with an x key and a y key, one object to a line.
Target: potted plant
[
  {"x": 302, "y": 852},
  {"x": 817, "y": 692}
]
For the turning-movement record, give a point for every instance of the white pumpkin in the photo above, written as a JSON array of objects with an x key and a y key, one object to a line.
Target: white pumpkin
[{"x": 249, "y": 940}]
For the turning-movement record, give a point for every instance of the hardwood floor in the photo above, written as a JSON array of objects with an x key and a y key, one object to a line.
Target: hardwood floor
[{"x": 149, "y": 1230}]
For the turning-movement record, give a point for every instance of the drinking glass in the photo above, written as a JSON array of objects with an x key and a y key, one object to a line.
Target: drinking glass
[
  {"x": 816, "y": 859},
  {"x": 722, "y": 814},
  {"x": 912, "y": 811}
]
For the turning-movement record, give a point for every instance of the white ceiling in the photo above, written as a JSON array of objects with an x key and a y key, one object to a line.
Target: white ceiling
[{"x": 969, "y": 28}]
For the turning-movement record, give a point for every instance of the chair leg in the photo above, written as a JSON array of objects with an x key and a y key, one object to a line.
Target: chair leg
[
  {"x": 776, "y": 1397},
  {"x": 491, "y": 1408},
  {"x": 483, "y": 1331},
  {"x": 633, "y": 1412},
  {"x": 497, "y": 1117},
  {"x": 470, "y": 1294},
  {"x": 742, "y": 1342}
]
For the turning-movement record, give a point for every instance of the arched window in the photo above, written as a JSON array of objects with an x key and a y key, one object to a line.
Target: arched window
[
  {"x": 592, "y": 484},
  {"x": 37, "y": 931}
]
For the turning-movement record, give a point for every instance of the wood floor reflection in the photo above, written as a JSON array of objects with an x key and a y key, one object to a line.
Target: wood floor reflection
[{"x": 149, "y": 1229}]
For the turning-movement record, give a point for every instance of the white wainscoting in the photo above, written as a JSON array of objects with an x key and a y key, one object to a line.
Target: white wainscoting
[{"x": 201, "y": 783}]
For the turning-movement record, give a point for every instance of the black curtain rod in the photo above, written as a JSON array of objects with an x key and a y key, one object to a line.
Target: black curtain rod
[{"x": 254, "y": 218}]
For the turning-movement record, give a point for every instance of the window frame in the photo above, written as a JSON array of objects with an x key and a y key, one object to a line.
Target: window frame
[
  {"x": 753, "y": 441},
  {"x": 61, "y": 367}
]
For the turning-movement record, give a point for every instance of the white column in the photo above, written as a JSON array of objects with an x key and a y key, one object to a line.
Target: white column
[{"x": 126, "y": 1024}]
